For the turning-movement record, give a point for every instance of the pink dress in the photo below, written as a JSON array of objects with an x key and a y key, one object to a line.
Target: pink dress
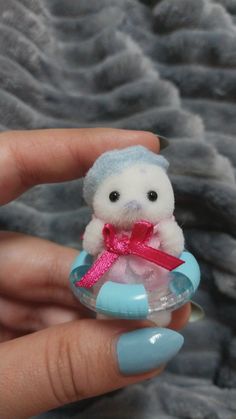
[{"x": 133, "y": 269}]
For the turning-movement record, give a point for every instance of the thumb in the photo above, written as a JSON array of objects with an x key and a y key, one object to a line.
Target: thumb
[{"x": 77, "y": 360}]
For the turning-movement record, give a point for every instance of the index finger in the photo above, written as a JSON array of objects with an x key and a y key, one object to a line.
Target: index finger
[{"x": 29, "y": 158}]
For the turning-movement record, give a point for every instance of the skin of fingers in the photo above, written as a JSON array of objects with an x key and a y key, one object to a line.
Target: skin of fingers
[
  {"x": 43, "y": 277},
  {"x": 62, "y": 364},
  {"x": 22, "y": 316},
  {"x": 7, "y": 334},
  {"x": 27, "y": 157},
  {"x": 180, "y": 317}
]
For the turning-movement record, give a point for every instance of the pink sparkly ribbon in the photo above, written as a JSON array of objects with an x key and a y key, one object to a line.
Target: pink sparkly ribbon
[{"x": 121, "y": 245}]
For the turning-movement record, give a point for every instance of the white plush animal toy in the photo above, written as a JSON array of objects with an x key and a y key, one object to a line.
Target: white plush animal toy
[{"x": 124, "y": 187}]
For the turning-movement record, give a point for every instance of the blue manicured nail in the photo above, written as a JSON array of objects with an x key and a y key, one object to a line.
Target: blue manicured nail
[{"x": 145, "y": 349}]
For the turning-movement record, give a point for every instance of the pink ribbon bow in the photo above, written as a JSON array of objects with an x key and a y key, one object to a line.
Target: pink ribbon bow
[{"x": 117, "y": 246}]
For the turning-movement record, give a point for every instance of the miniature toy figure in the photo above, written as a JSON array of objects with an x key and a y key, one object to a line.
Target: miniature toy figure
[{"x": 133, "y": 239}]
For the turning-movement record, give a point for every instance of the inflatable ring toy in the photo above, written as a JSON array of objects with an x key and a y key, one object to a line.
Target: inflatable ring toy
[{"x": 134, "y": 301}]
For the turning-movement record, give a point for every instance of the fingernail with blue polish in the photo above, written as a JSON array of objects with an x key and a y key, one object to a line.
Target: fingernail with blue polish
[{"x": 146, "y": 349}]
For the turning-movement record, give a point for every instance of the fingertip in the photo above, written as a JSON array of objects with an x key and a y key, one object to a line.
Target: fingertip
[
  {"x": 180, "y": 317},
  {"x": 147, "y": 139},
  {"x": 105, "y": 139}
]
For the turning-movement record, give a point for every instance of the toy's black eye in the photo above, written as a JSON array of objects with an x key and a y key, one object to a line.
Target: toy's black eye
[
  {"x": 114, "y": 196},
  {"x": 152, "y": 196}
]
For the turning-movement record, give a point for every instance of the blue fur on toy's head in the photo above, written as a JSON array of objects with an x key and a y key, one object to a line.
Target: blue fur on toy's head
[{"x": 114, "y": 162}]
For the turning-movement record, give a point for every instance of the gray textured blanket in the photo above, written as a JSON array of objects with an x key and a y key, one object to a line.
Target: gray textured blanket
[{"x": 169, "y": 69}]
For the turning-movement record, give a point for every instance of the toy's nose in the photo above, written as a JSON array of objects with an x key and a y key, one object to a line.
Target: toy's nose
[{"x": 133, "y": 205}]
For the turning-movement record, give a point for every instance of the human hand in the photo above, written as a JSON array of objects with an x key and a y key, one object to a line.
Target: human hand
[{"x": 45, "y": 364}]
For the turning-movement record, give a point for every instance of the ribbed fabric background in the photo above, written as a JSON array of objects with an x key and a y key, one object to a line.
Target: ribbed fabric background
[{"x": 169, "y": 69}]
